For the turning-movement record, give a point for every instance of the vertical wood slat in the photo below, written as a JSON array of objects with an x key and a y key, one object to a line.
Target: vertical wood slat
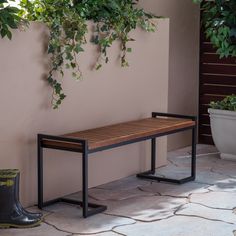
[{"x": 217, "y": 79}]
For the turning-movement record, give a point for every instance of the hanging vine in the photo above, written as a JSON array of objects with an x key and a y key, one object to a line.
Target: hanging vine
[{"x": 66, "y": 21}]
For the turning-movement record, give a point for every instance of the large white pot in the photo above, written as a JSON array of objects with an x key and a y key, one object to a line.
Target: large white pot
[{"x": 223, "y": 127}]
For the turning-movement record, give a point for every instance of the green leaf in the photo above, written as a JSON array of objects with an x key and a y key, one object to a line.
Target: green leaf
[
  {"x": 98, "y": 66},
  {"x": 78, "y": 48},
  {"x": 129, "y": 49}
]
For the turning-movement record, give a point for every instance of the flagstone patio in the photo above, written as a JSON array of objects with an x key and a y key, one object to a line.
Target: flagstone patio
[{"x": 205, "y": 207}]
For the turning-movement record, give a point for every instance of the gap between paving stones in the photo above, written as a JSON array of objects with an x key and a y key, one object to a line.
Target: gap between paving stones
[
  {"x": 217, "y": 208},
  {"x": 144, "y": 221},
  {"x": 178, "y": 196},
  {"x": 74, "y": 232},
  {"x": 216, "y": 172},
  {"x": 206, "y": 218},
  {"x": 52, "y": 225},
  {"x": 99, "y": 232},
  {"x": 179, "y": 217}
]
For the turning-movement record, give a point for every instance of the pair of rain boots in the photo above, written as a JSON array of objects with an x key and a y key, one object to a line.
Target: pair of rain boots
[{"x": 12, "y": 214}]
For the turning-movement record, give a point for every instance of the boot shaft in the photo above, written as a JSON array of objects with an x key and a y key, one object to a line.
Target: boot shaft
[{"x": 8, "y": 194}]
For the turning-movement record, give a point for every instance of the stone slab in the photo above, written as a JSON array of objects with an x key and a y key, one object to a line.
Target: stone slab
[
  {"x": 220, "y": 200},
  {"x": 117, "y": 195},
  {"x": 146, "y": 208},
  {"x": 125, "y": 184},
  {"x": 174, "y": 172},
  {"x": 183, "y": 190},
  {"x": 227, "y": 168},
  {"x": 202, "y": 162},
  {"x": 110, "y": 233},
  {"x": 69, "y": 218},
  {"x": 98, "y": 194},
  {"x": 209, "y": 177},
  {"x": 201, "y": 149},
  {"x": 192, "y": 209},
  {"x": 179, "y": 226},
  {"x": 226, "y": 185},
  {"x": 42, "y": 230}
]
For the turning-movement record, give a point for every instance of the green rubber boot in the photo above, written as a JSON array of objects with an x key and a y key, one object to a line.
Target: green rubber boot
[
  {"x": 17, "y": 192},
  {"x": 12, "y": 214}
]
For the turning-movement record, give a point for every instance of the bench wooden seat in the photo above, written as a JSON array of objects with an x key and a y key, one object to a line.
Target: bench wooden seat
[
  {"x": 119, "y": 133},
  {"x": 107, "y": 137}
]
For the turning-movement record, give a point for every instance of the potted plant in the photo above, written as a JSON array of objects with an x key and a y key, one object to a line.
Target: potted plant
[
  {"x": 219, "y": 25},
  {"x": 223, "y": 126}
]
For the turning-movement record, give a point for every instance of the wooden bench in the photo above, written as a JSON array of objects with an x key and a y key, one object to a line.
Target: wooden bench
[{"x": 99, "y": 139}]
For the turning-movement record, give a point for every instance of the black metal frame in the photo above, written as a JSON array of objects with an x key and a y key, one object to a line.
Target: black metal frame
[
  {"x": 83, "y": 148},
  {"x": 95, "y": 208},
  {"x": 150, "y": 174}
]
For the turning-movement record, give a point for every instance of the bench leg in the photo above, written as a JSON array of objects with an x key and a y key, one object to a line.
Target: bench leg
[
  {"x": 94, "y": 208},
  {"x": 40, "y": 174},
  {"x": 84, "y": 204},
  {"x": 85, "y": 183},
  {"x": 150, "y": 174},
  {"x": 153, "y": 156},
  {"x": 194, "y": 152}
]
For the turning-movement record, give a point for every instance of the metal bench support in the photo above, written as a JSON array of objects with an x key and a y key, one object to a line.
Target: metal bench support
[
  {"x": 151, "y": 173},
  {"x": 89, "y": 209}
]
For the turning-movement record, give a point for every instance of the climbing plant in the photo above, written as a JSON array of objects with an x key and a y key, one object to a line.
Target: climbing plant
[
  {"x": 67, "y": 22},
  {"x": 219, "y": 22},
  {"x": 9, "y": 18}
]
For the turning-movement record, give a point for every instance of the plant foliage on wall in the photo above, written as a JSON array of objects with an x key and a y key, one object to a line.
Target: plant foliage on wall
[
  {"x": 67, "y": 23},
  {"x": 9, "y": 18},
  {"x": 219, "y": 22}
]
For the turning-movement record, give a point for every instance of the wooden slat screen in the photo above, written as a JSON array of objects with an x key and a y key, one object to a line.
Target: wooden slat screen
[{"x": 217, "y": 79}]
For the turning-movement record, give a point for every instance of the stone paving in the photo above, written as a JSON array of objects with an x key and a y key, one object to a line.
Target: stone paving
[{"x": 205, "y": 207}]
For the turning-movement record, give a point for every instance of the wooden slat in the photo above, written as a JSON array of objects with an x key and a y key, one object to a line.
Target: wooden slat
[
  {"x": 218, "y": 79},
  {"x": 206, "y": 99},
  {"x": 207, "y": 47},
  {"x": 207, "y": 139},
  {"x": 215, "y": 58},
  {"x": 204, "y": 119},
  {"x": 205, "y": 129},
  {"x": 218, "y": 69},
  {"x": 118, "y": 133},
  {"x": 59, "y": 145},
  {"x": 214, "y": 89},
  {"x": 203, "y": 109}
]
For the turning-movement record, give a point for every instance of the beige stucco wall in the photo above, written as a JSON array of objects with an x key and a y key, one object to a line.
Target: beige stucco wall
[
  {"x": 110, "y": 95},
  {"x": 184, "y": 58}
]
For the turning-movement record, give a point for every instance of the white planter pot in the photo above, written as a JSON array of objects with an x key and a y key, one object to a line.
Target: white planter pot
[{"x": 223, "y": 127}]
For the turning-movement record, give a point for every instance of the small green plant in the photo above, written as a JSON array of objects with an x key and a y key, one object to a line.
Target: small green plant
[
  {"x": 67, "y": 22},
  {"x": 219, "y": 22},
  {"x": 9, "y": 18},
  {"x": 228, "y": 103}
]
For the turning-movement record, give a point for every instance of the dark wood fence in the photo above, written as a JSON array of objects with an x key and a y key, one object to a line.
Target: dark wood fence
[{"x": 217, "y": 79}]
